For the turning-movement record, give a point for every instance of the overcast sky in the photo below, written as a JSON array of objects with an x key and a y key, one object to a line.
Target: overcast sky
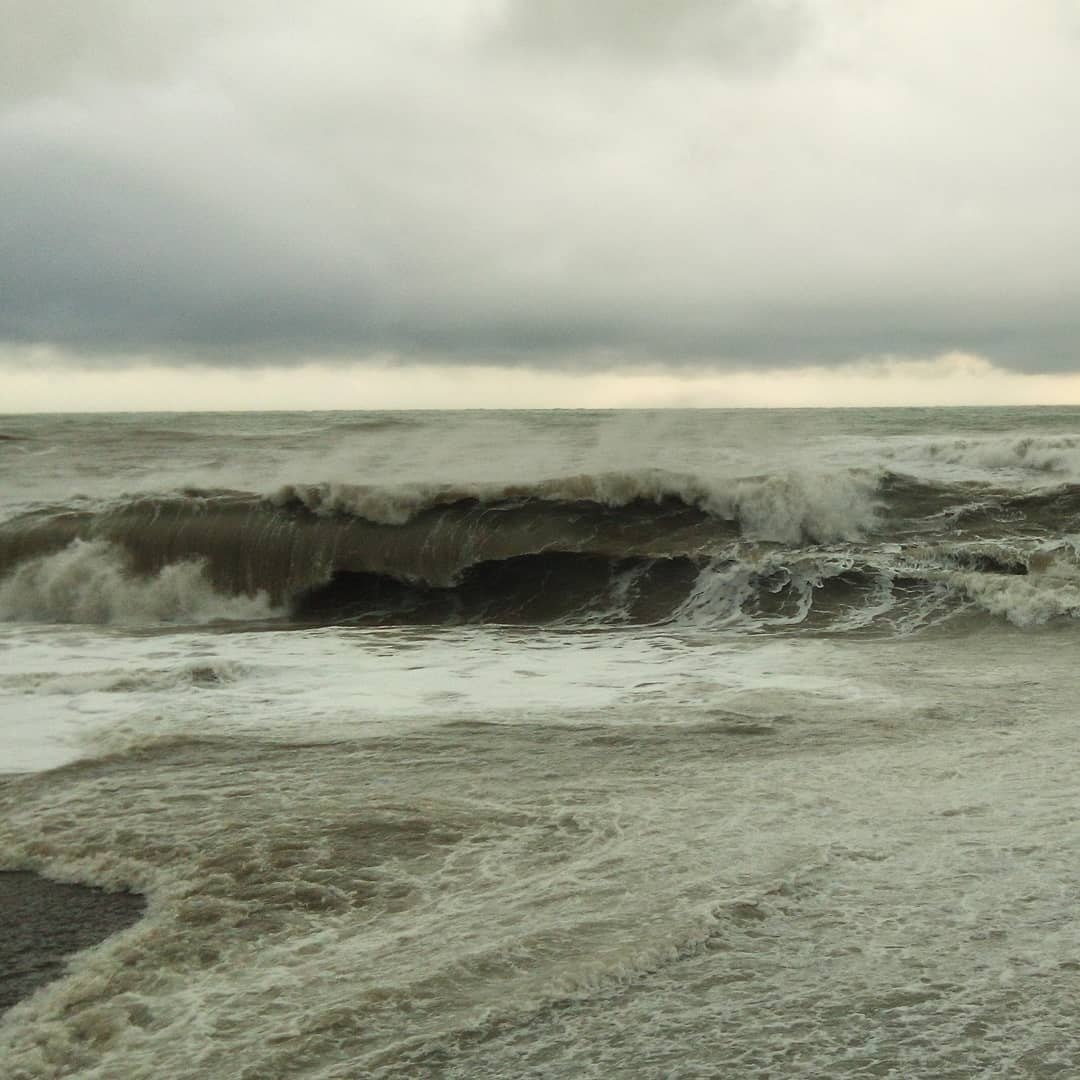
[{"x": 632, "y": 199}]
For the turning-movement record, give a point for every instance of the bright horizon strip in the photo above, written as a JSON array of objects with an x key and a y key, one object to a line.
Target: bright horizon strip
[{"x": 953, "y": 379}]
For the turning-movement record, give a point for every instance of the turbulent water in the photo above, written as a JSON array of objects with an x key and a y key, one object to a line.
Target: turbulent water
[{"x": 553, "y": 744}]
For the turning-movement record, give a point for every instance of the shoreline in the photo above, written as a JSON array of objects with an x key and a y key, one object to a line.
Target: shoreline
[{"x": 46, "y": 922}]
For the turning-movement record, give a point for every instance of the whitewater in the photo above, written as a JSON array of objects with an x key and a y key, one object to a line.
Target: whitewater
[{"x": 483, "y": 744}]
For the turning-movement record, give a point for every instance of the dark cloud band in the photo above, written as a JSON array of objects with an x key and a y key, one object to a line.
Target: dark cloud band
[{"x": 730, "y": 185}]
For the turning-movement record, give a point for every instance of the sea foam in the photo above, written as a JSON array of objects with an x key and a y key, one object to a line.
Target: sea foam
[{"x": 90, "y": 581}]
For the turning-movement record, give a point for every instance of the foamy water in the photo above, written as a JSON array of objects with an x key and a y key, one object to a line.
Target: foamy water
[{"x": 674, "y": 745}]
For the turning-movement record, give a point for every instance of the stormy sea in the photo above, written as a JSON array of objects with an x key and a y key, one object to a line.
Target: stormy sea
[{"x": 545, "y": 744}]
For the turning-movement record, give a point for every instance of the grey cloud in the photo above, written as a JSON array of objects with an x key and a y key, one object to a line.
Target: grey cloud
[
  {"x": 52, "y": 47},
  {"x": 738, "y": 36},
  {"x": 114, "y": 259},
  {"x": 355, "y": 183}
]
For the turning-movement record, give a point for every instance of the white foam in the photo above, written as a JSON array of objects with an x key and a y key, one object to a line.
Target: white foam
[
  {"x": 791, "y": 505},
  {"x": 69, "y": 692},
  {"x": 1016, "y": 458},
  {"x": 476, "y": 902},
  {"x": 1026, "y": 601},
  {"x": 91, "y": 582},
  {"x": 60, "y": 684}
]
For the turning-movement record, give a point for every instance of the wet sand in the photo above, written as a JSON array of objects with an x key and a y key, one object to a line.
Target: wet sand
[{"x": 44, "y": 922}]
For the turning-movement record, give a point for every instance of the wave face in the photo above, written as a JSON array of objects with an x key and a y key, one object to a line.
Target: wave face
[{"x": 839, "y": 550}]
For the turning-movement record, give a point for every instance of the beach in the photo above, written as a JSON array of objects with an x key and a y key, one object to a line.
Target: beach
[{"x": 45, "y": 922}]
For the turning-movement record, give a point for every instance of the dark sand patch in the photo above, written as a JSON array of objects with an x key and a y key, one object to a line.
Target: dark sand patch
[{"x": 42, "y": 923}]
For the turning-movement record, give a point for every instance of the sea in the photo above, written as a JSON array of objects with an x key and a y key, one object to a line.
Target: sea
[{"x": 685, "y": 744}]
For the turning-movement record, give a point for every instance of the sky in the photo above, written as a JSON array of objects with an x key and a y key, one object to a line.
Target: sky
[{"x": 538, "y": 202}]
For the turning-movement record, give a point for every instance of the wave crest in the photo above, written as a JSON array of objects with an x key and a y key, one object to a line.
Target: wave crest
[
  {"x": 1057, "y": 454},
  {"x": 789, "y": 507}
]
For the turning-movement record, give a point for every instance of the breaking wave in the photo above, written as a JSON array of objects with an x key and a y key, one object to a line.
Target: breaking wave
[
  {"x": 836, "y": 551},
  {"x": 1054, "y": 454},
  {"x": 816, "y": 507},
  {"x": 91, "y": 581}
]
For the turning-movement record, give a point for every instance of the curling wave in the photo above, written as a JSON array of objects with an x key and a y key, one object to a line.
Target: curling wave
[{"x": 832, "y": 551}]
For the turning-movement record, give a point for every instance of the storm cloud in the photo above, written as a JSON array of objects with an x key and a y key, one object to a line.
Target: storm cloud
[{"x": 541, "y": 182}]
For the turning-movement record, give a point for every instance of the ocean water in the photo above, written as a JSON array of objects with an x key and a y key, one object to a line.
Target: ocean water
[{"x": 549, "y": 744}]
